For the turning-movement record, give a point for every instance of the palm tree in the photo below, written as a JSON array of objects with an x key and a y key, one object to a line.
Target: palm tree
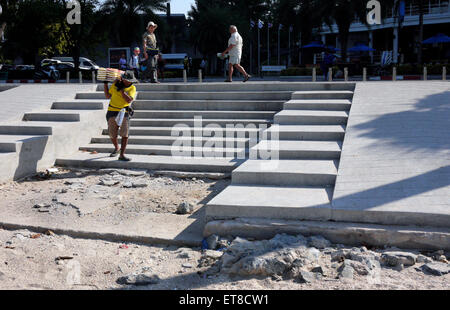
[
  {"x": 128, "y": 18},
  {"x": 342, "y": 13},
  {"x": 209, "y": 21}
]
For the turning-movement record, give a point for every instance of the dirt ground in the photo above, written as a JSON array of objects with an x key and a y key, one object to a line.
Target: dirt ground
[
  {"x": 68, "y": 191},
  {"x": 48, "y": 261},
  {"x": 33, "y": 261}
]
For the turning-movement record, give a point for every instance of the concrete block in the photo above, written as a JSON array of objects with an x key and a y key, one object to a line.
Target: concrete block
[
  {"x": 287, "y": 173},
  {"x": 271, "y": 202}
]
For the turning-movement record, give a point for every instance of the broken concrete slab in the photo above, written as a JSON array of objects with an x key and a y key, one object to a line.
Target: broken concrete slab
[{"x": 406, "y": 237}]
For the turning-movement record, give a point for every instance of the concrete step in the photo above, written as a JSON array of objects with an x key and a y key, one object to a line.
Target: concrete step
[
  {"x": 12, "y": 143},
  {"x": 342, "y": 94},
  {"x": 310, "y": 117},
  {"x": 287, "y": 173},
  {"x": 235, "y": 95},
  {"x": 170, "y": 95},
  {"x": 24, "y": 128},
  {"x": 297, "y": 150},
  {"x": 238, "y": 86},
  {"x": 91, "y": 96},
  {"x": 155, "y": 122},
  {"x": 306, "y": 132},
  {"x": 207, "y": 105},
  {"x": 324, "y": 104},
  {"x": 206, "y": 114},
  {"x": 8, "y": 147},
  {"x": 79, "y": 105},
  {"x": 169, "y": 140},
  {"x": 299, "y": 203},
  {"x": 167, "y": 131},
  {"x": 169, "y": 150},
  {"x": 52, "y": 116},
  {"x": 164, "y": 163}
]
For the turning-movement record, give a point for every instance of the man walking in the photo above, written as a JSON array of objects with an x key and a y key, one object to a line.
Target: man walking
[
  {"x": 121, "y": 94},
  {"x": 235, "y": 44},
  {"x": 151, "y": 51}
]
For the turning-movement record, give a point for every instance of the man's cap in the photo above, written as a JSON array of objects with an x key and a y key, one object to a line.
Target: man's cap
[
  {"x": 129, "y": 76},
  {"x": 152, "y": 24}
]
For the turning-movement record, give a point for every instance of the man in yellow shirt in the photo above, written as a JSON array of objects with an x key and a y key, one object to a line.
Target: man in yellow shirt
[{"x": 121, "y": 94}]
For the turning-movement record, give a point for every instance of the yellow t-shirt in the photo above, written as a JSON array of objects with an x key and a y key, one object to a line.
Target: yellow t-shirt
[{"x": 117, "y": 102}]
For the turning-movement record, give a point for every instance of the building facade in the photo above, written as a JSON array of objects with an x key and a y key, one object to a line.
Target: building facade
[{"x": 404, "y": 41}]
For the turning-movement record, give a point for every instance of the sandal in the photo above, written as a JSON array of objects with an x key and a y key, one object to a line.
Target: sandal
[
  {"x": 123, "y": 158},
  {"x": 247, "y": 78},
  {"x": 114, "y": 154}
]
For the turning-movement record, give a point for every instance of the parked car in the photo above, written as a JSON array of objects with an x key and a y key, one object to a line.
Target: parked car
[
  {"x": 85, "y": 64},
  {"x": 49, "y": 61}
]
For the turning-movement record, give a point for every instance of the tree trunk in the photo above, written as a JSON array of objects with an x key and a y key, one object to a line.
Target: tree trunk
[{"x": 343, "y": 38}]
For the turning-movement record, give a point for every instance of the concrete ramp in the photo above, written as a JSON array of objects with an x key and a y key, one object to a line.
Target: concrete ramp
[{"x": 395, "y": 163}]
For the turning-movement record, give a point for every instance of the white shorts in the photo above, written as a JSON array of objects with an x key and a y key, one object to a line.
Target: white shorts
[{"x": 235, "y": 60}]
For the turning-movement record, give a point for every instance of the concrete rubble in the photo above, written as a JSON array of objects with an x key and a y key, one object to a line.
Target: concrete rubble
[{"x": 306, "y": 260}]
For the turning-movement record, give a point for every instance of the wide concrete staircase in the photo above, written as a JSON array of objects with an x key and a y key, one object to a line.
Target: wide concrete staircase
[
  {"x": 35, "y": 142},
  {"x": 292, "y": 172},
  {"x": 193, "y": 127}
]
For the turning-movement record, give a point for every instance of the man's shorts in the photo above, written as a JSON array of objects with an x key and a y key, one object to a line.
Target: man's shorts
[
  {"x": 235, "y": 60},
  {"x": 113, "y": 129}
]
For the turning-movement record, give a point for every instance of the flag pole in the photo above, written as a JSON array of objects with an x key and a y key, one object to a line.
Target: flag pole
[
  {"x": 251, "y": 49},
  {"x": 259, "y": 51},
  {"x": 278, "y": 45},
  {"x": 289, "y": 55},
  {"x": 268, "y": 44}
]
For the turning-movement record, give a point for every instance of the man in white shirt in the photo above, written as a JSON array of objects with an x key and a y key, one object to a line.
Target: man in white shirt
[{"x": 235, "y": 44}]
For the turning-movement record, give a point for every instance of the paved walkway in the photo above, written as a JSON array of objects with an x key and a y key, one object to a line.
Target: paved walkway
[
  {"x": 395, "y": 164},
  {"x": 36, "y": 97}
]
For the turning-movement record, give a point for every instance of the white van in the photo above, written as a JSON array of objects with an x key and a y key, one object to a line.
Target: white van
[{"x": 85, "y": 64}]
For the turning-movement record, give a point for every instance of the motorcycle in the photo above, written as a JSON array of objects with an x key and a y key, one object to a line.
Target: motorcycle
[{"x": 47, "y": 72}]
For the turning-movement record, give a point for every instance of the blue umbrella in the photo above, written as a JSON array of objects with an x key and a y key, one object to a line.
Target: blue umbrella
[
  {"x": 316, "y": 44},
  {"x": 361, "y": 48},
  {"x": 439, "y": 38}
]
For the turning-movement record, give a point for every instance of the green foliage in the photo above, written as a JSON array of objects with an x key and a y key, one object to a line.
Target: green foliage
[{"x": 127, "y": 19}]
